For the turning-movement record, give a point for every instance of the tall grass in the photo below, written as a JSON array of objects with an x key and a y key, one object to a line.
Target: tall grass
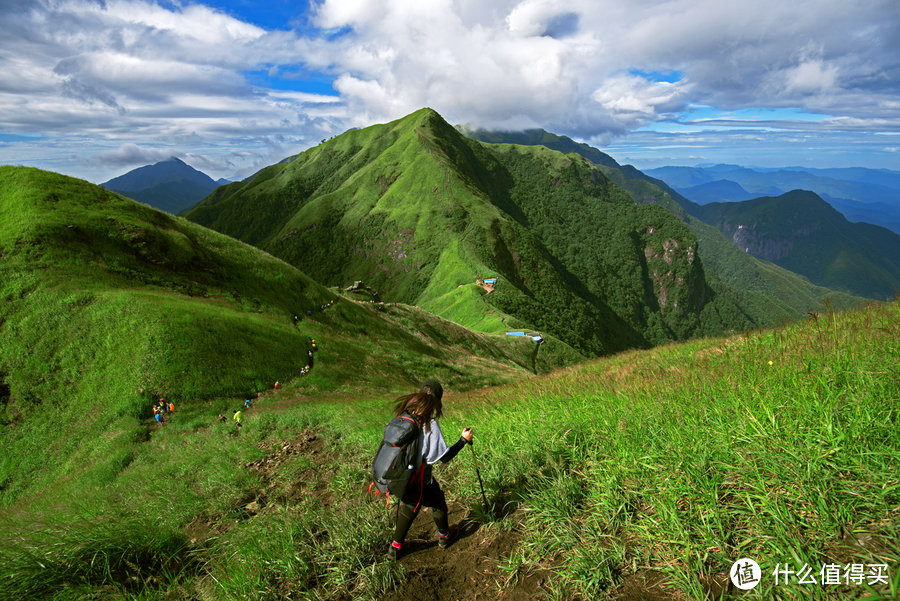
[
  {"x": 779, "y": 446},
  {"x": 674, "y": 461}
]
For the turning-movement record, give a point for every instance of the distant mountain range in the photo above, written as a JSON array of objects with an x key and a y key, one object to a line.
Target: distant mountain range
[
  {"x": 870, "y": 195},
  {"x": 803, "y": 233},
  {"x": 171, "y": 185},
  {"x": 769, "y": 291}
]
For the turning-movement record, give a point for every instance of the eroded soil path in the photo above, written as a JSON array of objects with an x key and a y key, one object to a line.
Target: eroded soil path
[
  {"x": 477, "y": 566},
  {"x": 471, "y": 568}
]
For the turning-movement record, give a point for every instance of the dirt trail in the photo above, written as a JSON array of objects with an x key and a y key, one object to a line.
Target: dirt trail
[
  {"x": 469, "y": 569},
  {"x": 474, "y": 568}
]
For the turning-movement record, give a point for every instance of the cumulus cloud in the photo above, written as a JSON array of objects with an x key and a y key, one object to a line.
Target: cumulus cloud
[
  {"x": 542, "y": 18},
  {"x": 634, "y": 101},
  {"x": 129, "y": 154},
  {"x": 567, "y": 66},
  {"x": 137, "y": 72}
]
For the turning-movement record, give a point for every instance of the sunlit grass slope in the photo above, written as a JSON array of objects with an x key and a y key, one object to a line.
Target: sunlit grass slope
[
  {"x": 778, "y": 445},
  {"x": 660, "y": 466},
  {"x": 417, "y": 210},
  {"x": 109, "y": 305}
]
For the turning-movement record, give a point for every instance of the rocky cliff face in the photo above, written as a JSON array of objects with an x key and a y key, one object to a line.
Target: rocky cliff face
[
  {"x": 753, "y": 239},
  {"x": 672, "y": 271}
]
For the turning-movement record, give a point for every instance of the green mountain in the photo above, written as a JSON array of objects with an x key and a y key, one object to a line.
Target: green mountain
[
  {"x": 109, "y": 305},
  {"x": 803, "y": 233},
  {"x": 766, "y": 293},
  {"x": 171, "y": 185},
  {"x": 420, "y": 212}
]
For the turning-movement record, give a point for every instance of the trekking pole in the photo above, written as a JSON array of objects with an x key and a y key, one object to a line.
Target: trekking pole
[{"x": 478, "y": 471}]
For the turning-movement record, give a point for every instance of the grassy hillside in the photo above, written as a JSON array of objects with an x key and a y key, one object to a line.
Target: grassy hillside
[
  {"x": 764, "y": 292},
  {"x": 419, "y": 212},
  {"x": 642, "y": 475},
  {"x": 109, "y": 305}
]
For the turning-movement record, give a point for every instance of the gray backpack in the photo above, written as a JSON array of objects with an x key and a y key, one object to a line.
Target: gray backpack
[{"x": 398, "y": 456}]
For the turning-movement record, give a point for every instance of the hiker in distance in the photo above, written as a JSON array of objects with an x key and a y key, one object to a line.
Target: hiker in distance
[{"x": 423, "y": 489}]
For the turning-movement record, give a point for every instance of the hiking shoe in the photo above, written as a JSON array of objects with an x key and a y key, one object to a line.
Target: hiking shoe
[
  {"x": 445, "y": 540},
  {"x": 392, "y": 553}
]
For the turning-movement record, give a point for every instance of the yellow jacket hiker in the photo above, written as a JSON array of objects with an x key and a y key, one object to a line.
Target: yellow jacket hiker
[{"x": 238, "y": 417}]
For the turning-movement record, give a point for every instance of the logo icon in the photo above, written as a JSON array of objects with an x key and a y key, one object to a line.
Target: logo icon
[{"x": 745, "y": 574}]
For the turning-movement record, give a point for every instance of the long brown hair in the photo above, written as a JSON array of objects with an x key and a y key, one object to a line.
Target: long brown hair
[{"x": 424, "y": 404}]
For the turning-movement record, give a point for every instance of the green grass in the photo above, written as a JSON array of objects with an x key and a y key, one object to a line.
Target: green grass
[
  {"x": 776, "y": 446},
  {"x": 109, "y": 305},
  {"x": 674, "y": 461}
]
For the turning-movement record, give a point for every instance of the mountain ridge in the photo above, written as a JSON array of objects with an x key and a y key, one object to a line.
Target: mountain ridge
[
  {"x": 768, "y": 293},
  {"x": 425, "y": 211},
  {"x": 861, "y": 194},
  {"x": 803, "y": 233}
]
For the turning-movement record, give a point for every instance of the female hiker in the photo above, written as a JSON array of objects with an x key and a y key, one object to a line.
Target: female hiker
[{"x": 424, "y": 490}]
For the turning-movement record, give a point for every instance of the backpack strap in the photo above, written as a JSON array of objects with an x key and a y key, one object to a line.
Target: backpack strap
[{"x": 412, "y": 418}]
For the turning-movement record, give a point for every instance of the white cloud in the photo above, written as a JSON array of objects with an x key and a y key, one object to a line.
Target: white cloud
[
  {"x": 635, "y": 101},
  {"x": 513, "y": 61},
  {"x": 542, "y": 18},
  {"x": 811, "y": 76},
  {"x": 129, "y": 154},
  {"x": 132, "y": 71}
]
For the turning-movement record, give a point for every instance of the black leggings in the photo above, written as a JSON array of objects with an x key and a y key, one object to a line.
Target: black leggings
[{"x": 431, "y": 496}]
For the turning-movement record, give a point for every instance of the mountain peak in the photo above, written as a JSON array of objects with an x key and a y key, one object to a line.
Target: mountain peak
[
  {"x": 425, "y": 116},
  {"x": 171, "y": 185},
  {"x": 425, "y": 113}
]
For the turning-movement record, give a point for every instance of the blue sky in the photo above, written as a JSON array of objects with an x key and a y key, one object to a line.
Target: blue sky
[{"x": 93, "y": 88}]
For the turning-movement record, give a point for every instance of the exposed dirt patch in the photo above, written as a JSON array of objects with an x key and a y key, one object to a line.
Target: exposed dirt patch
[
  {"x": 204, "y": 526},
  {"x": 716, "y": 584},
  {"x": 279, "y": 486},
  {"x": 301, "y": 484},
  {"x": 645, "y": 585},
  {"x": 469, "y": 569}
]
